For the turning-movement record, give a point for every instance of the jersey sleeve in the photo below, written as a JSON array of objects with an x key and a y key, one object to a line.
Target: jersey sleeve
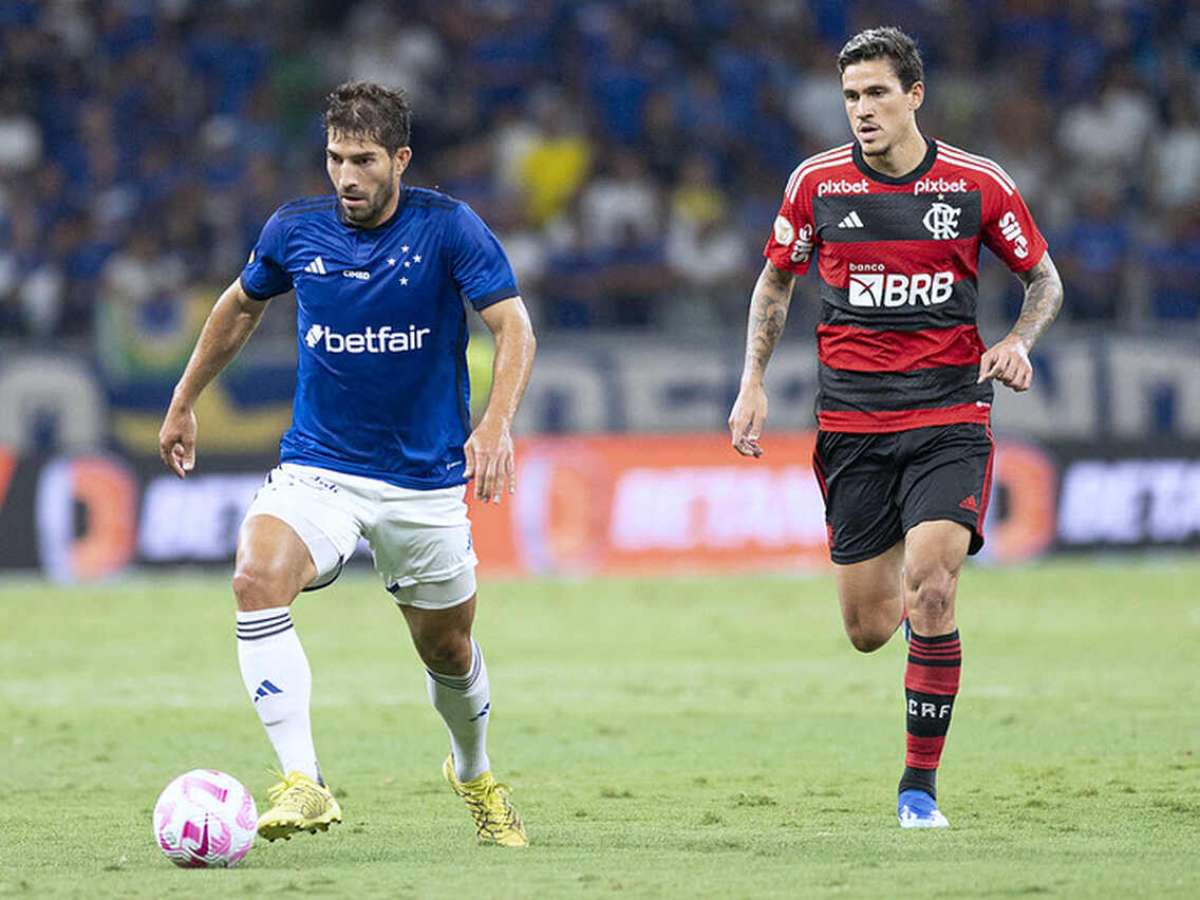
[
  {"x": 478, "y": 263},
  {"x": 1009, "y": 230},
  {"x": 792, "y": 241},
  {"x": 265, "y": 275}
]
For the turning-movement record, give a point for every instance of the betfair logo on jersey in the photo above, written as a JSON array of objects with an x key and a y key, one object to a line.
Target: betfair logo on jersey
[
  {"x": 940, "y": 186},
  {"x": 842, "y": 186},
  {"x": 383, "y": 340},
  {"x": 891, "y": 290}
]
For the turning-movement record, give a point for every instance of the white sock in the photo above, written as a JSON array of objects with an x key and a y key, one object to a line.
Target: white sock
[
  {"x": 464, "y": 702},
  {"x": 276, "y": 674}
]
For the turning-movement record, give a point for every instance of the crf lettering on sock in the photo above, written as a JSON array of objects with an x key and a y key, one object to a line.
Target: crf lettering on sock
[
  {"x": 928, "y": 710},
  {"x": 931, "y": 681}
]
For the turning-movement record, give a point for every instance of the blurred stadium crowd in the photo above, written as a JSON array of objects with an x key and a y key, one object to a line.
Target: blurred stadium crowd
[{"x": 630, "y": 154}]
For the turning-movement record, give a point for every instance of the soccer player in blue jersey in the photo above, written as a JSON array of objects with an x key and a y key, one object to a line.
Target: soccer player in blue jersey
[{"x": 381, "y": 445}]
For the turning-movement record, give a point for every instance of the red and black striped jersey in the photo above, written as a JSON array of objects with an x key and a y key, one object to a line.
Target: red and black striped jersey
[{"x": 897, "y": 345}]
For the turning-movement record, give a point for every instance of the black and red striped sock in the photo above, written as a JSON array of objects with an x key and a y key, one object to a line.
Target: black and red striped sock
[{"x": 930, "y": 686}]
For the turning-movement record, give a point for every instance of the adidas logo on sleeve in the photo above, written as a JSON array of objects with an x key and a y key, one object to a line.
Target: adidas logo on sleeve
[{"x": 316, "y": 267}]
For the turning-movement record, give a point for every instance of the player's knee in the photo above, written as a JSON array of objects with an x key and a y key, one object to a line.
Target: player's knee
[
  {"x": 867, "y": 639},
  {"x": 447, "y": 654},
  {"x": 260, "y": 587},
  {"x": 933, "y": 595},
  {"x": 866, "y": 633}
]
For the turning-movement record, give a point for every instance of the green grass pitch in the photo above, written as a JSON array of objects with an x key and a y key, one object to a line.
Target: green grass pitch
[{"x": 665, "y": 738}]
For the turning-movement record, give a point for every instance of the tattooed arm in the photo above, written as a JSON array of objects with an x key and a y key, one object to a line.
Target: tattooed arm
[
  {"x": 768, "y": 313},
  {"x": 1008, "y": 360},
  {"x": 1043, "y": 300}
]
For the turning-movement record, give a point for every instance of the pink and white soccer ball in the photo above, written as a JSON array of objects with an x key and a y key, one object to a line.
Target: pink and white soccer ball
[{"x": 205, "y": 819}]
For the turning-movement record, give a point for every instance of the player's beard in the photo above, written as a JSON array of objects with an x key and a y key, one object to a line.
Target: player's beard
[{"x": 371, "y": 211}]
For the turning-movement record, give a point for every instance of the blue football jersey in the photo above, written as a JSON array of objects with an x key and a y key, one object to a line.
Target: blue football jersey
[{"x": 382, "y": 388}]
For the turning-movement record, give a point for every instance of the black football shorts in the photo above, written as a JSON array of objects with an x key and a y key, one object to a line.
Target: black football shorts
[{"x": 878, "y": 486}]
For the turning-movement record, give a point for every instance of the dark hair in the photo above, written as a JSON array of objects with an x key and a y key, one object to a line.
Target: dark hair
[
  {"x": 889, "y": 42},
  {"x": 362, "y": 109}
]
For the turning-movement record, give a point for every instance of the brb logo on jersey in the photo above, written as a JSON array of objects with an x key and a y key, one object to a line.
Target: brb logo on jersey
[
  {"x": 942, "y": 221},
  {"x": 383, "y": 340},
  {"x": 870, "y": 286}
]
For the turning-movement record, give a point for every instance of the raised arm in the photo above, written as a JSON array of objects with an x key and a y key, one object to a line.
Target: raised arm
[
  {"x": 489, "y": 449},
  {"x": 230, "y": 324},
  {"x": 1008, "y": 360},
  {"x": 768, "y": 312}
]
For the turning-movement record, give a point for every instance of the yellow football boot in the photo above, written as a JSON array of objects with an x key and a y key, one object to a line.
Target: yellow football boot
[
  {"x": 298, "y": 804},
  {"x": 496, "y": 822}
]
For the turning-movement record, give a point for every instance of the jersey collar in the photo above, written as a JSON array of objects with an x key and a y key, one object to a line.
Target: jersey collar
[{"x": 925, "y": 166}]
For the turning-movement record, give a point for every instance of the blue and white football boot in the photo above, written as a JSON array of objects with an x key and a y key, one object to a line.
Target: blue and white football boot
[{"x": 917, "y": 809}]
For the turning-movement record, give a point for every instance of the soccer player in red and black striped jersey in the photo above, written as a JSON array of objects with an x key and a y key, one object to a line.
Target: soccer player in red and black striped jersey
[{"x": 904, "y": 449}]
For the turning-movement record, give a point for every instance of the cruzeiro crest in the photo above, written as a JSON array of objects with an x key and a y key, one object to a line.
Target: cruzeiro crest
[{"x": 942, "y": 221}]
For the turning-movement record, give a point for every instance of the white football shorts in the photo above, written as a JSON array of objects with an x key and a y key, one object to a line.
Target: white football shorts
[{"x": 421, "y": 540}]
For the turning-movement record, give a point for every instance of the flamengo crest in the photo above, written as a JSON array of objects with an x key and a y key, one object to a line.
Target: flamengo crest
[{"x": 942, "y": 221}]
